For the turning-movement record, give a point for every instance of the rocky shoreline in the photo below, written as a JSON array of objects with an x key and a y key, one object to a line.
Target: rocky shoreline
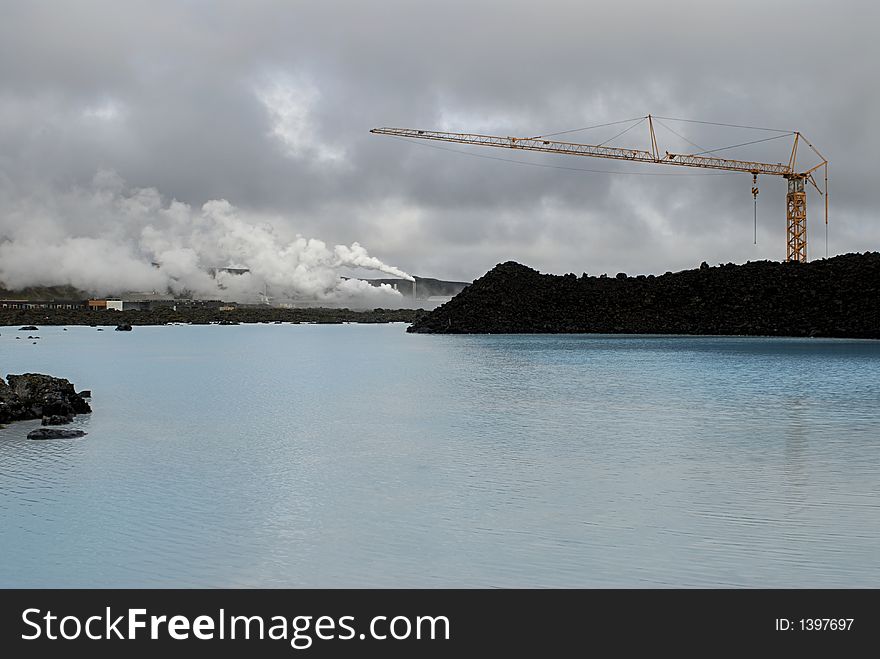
[
  {"x": 836, "y": 297},
  {"x": 37, "y": 396},
  {"x": 198, "y": 316}
]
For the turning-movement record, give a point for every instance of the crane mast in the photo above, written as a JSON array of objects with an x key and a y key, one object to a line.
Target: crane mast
[{"x": 796, "y": 197}]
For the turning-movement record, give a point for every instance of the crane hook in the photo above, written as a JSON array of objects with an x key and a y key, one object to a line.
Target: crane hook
[{"x": 755, "y": 198}]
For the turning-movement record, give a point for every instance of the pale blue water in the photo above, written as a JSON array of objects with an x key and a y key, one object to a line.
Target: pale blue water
[{"x": 356, "y": 455}]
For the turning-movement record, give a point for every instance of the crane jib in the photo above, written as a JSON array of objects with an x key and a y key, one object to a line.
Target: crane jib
[{"x": 596, "y": 151}]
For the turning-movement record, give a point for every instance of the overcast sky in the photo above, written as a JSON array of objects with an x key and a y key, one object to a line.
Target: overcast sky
[{"x": 268, "y": 105}]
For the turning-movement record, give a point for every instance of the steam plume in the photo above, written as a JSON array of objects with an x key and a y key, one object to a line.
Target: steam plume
[{"x": 109, "y": 238}]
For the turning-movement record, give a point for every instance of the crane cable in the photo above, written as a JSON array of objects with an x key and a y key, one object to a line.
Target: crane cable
[
  {"x": 691, "y": 121},
  {"x": 576, "y": 130},
  {"x": 625, "y": 130},
  {"x": 715, "y": 123},
  {"x": 679, "y": 134},
  {"x": 639, "y": 120},
  {"x": 734, "y": 146}
]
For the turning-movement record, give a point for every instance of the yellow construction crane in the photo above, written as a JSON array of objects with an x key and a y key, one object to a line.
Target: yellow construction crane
[{"x": 796, "y": 198}]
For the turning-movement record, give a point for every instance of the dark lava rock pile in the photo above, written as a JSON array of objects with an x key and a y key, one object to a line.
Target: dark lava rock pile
[
  {"x": 55, "y": 433},
  {"x": 836, "y": 297},
  {"x": 36, "y": 396}
]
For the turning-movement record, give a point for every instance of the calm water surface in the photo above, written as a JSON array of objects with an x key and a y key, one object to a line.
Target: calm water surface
[{"x": 354, "y": 455}]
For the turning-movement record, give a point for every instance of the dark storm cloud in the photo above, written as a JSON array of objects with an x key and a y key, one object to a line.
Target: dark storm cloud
[{"x": 268, "y": 105}]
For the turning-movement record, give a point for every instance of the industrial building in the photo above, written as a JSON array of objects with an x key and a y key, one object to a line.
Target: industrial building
[
  {"x": 145, "y": 302},
  {"x": 42, "y": 304},
  {"x": 105, "y": 305}
]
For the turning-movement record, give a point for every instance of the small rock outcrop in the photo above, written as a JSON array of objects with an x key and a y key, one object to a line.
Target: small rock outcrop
[
  {"x": 28, "y": 328},
  {"x": 124, "y": 327},
  {"x": 54, "y": 433},
  {"x": 57, "y": 419},
  {"x": 34, "y": 396}
]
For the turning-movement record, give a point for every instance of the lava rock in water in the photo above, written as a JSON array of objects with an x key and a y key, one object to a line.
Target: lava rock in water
[
  {"x": 54, "y": 433},
  {"x": 85, "y": 393},
  {"x": 28, "y": 328},
  {"x": 124, "y": 327},
  {"x": 836, "y": 297},
  {"x": 33, "y": 396},
  {"x": 57, "y": 419}
]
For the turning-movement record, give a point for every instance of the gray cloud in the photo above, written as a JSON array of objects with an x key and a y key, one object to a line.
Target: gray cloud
[{"x": 268, "y": 105}]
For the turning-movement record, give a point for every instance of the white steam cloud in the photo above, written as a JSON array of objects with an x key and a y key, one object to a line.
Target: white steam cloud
[{"x": 109, "y": 238}]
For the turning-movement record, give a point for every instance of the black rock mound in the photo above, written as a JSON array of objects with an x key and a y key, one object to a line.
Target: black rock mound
[
  {"x": 34, "y": 396},
  {"x": 54, "y": 433},
  {"x": 836, "y": 297}
]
